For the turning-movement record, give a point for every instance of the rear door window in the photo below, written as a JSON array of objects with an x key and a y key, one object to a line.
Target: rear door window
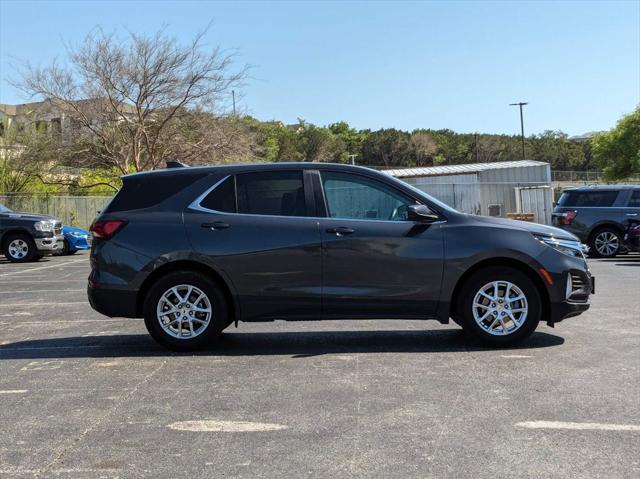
[
  {"x": 634, "y": 201},
  {"x": 596, "y": 198},
  {"x": 222, "y": 197},
  {"x": 277, "y": 193}
]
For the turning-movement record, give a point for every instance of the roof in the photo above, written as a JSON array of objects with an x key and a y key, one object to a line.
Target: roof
[
  {"x": 232, "y": 168},
  {"x": 460, "y": 169},
  {"x": 601, "y": 187}
]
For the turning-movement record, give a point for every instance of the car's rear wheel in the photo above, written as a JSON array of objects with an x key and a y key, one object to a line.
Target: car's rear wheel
[
  {"x": 499, "y": 306},
  {"x": 185, "y": 311},
  {"x": 19, "y": 248},
  {"x": 605, "y": 243}
]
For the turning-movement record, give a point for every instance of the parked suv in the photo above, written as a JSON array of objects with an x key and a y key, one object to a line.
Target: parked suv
[
  {"x": 27, "y": 236},
  {"x": 598, "y": 215},
  {"x": 193, "y": 250}
]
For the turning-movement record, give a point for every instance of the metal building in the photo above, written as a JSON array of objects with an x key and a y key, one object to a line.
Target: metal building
[{"x": 490, "y": 189}]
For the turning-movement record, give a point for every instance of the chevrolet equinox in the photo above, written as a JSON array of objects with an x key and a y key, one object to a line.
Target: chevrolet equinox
[{"x": 193, "y": 250}]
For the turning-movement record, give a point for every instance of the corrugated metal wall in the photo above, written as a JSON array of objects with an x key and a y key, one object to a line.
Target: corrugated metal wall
[
  {"x": 537, "y": 200},
  {"x": 497, "y": 186},
  {"x": 461, "y": 192}
]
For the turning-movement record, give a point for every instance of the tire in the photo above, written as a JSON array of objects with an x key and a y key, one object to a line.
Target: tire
[
  {"x": 605, "y": 243},
  {"x": 520, "y": 318},
  {"x": 179, "y": 336},
  {"x": 66, "y": 249},
  {"x": 19, "y": 248}
]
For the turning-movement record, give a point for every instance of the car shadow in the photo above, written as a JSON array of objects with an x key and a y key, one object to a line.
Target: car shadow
[{"x": 295, "y": 344}]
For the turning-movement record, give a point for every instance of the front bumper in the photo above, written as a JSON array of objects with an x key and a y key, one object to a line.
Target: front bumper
[{"x": 49, "y": 245}]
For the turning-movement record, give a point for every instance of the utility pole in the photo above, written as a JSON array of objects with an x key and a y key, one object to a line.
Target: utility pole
[
  {"x": 352, "y": 157},
  {"x": 233, "y": 95},
  {"x": 521, "y": 104},
  {"x": 475, "y": 146}
]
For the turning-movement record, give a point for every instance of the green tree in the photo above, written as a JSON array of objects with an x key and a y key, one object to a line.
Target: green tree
[
  {"x": 389, "y": 148},
  {"x": 617, "y": 151}
]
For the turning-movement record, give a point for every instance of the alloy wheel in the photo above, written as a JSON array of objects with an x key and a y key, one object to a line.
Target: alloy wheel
[
  {"x": 607, "y": 243},
  {"x": 184, "y": 311},
  {"x": 18, "y": 248},
  {"x": 500, "y": 308}
]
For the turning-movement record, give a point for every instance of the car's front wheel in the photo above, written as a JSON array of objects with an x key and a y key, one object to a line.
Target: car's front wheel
[
  {"x": 499, "y": 306},
  {"x": 185, "y": 311},
  {"x": 19, "y": 248}
]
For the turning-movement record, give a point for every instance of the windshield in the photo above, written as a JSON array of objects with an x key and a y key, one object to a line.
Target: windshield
[{"x": 4, "y": 209}]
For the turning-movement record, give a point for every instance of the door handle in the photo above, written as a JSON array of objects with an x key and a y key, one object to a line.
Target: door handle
[
  {"x": 341, "y": 231},
  {"x": 216, "y": 225}
]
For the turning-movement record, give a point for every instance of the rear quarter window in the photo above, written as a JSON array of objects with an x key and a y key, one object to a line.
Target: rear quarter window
[
  {"x": 145, "y": 191},
  {"x": 588, "y": 198}
]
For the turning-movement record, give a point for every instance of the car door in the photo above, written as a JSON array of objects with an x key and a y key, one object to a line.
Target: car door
[
  {"x": 632, "y": 210},
  {"x": 256, "y": 228},
  {"x": 376, "y": 263}
]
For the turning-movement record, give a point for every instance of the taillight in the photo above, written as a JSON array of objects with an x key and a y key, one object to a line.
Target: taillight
[
  {"x": 105, "y": 229},
  {"x": 568, "y": 216},
  {"x": 635, "y": 229}
]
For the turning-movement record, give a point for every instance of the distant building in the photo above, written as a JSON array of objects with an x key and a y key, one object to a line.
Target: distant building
[
  {"x": 585, "y": 136},
  {"x": 54, "y": 116}
]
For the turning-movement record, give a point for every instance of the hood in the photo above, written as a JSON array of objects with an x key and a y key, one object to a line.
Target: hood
[
  {"x": 71, "y": 229},
  {"x": 26, "y": 216},
  {"x": 534, "y": 228}
]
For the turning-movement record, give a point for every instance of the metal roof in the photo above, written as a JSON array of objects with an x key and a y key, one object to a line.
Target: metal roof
[{"x": 460, "y": 169}]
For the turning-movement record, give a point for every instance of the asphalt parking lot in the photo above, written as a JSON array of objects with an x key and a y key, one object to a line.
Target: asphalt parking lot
[{"x": 82, "y": 396}]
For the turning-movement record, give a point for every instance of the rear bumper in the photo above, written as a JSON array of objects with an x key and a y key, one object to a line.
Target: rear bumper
[{"x": 113, "y": 302}]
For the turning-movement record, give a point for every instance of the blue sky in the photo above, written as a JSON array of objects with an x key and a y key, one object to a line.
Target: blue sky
[{"x": 406, "y": 65}]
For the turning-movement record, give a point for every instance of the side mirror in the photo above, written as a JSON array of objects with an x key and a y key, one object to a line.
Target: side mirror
[{"x": 421, "y": 214}]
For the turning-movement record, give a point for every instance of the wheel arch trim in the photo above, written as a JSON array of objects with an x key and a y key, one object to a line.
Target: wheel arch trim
[
  {"x": 187, "y": 261},
  {"x": 531, "y": 270}
]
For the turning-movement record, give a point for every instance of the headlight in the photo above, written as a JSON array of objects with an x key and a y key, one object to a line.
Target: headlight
[
  {"x": 78, "y": 235},
  {"x": 44, "y": 225},
  {"x": 568, "y": 247}
]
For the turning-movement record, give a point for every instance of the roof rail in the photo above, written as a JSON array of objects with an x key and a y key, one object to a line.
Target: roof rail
[{"x": 176, "y": 164}]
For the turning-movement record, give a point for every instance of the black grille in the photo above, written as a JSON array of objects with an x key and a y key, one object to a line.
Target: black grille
[
  {"x": 577, "y": 282},
  {"x": 580, "y": 287}
]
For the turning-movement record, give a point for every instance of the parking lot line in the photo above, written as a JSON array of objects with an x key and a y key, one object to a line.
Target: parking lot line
[
  {"x": 578, "y": 426},
  {"x": 212, "y": 425},
  {"x": 57, "y": 265},
  {"x": 50, "y": 303},
  {"x": 40, "y": 291},
  {"x": 13, "y": 391}
]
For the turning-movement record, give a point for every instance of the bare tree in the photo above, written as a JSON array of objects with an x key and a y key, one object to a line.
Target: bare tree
[
  {"x": 425, "y": 147},
  {"x": 127, "y": 98}
]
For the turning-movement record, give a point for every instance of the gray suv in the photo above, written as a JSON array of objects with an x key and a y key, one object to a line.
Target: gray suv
[
  {"x": 598, "y": 215},
  {"x": 193, "y": 250}
]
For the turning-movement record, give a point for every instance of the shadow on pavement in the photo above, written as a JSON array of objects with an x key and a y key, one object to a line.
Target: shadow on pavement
[{"x": 296, "y": 344}]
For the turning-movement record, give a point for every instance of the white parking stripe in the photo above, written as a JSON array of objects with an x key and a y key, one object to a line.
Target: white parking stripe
[
  {"x": 578, "y": 426},
  {"x": 40, "y": 291},
  {"x": 50, "y": 303},
  {"x": 13, "y": 391},
  {"x": 211, "y": 425},
  {"x": 58, "y": 265}
]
